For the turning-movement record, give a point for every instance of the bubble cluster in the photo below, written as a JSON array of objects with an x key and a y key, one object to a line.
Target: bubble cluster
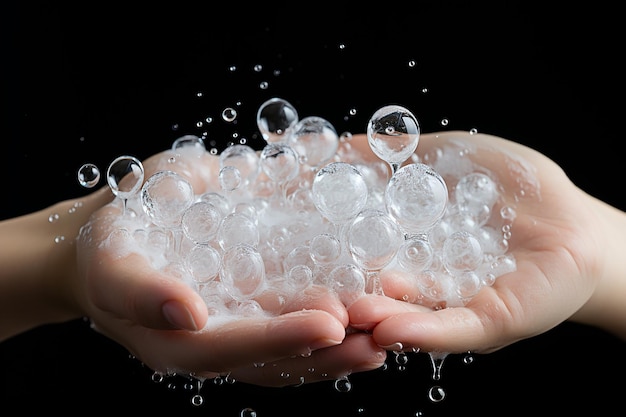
[{"x": 305, "y": 211}]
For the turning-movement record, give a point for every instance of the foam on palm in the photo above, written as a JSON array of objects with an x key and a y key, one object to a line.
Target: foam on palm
[{"x": 306, "y": 211}]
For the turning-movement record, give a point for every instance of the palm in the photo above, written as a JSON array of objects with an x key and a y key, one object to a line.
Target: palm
[{"x": 552, "y": 278}]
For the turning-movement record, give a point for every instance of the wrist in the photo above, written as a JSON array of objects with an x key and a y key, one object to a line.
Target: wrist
[
  {"x": 39, "y": 264},
  {"x": 607, "y": 305}
]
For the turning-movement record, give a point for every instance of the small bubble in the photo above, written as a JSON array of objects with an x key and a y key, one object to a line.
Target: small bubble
[
  {"x": 247, "y": 412},
  {"x": 258, "y": 68},
  {"x": 436, "y": 394},
  {"x": 197, "y": 400},
  {"x": 229, "y": 114},
  {"x": 53, "y": 217},
  {"x": 59, "y": 239},
  {"x": 444, "y": 122},
  {"x": 88, "y": 175},
  {"x": 411, "y": 63},
  {"x": 343, "y": 384},
  {"x": 264, "y": 85}
]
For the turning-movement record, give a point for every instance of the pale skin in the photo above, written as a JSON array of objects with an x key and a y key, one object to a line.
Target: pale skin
[{"x": 570, "y": 266}]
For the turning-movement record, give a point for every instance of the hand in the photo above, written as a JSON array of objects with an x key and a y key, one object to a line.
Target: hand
[
  {"x": 165, "y": 323},
  {"x": 568, "y": 262}
]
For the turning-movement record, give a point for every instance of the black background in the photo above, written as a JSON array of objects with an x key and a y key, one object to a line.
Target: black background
[{"x": 89, "y": 81}]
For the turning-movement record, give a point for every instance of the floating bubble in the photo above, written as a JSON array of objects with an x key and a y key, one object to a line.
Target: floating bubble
[
  {"x": 276, "y": 119},
  {"x": 229, "y": 114},
  {"x": 416, "y": 197},
  {"x": 393, "y": 134},
  {"x": 88, "y": 175},
  {"x": 125, "y": 176}
]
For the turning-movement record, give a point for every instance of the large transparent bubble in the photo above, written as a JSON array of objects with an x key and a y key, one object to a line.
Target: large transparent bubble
[
  {"x": 393, "y": 134},
  {"x": 416, "y": 197},
  {"x": 276, "y": 119}
]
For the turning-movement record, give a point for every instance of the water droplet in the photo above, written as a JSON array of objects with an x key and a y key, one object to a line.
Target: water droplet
[{"x": 343, "y": 384}]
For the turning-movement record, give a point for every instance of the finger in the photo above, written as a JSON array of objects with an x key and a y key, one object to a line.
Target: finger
[
  {"x": 398, "y": 325},
  {"x": 132, "y": 289},
  {"x": 357, "y": 353},
  {"x": 369, "y": 310},
  {"x": 229, "y": 343}
]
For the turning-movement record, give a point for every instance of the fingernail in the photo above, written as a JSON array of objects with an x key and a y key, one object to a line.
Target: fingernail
[
  {"x": 323, "y": 343},
  {"x": 395, "y": 347},
  {"x": 178, "y": 315}
]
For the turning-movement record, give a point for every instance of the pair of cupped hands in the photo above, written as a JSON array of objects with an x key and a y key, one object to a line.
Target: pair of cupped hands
[{"x": 314, "y": 337}]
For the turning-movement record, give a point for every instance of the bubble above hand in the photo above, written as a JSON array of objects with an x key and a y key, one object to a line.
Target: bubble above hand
[
  {"x": 309, "y": 212},
  {"x": 393, "y": 134}
]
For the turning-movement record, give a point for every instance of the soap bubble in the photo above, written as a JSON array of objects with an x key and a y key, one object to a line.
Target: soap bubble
[
  {"x": 276, "y": 119},
  {"x": 416, "y": 197},
  {"x": 243, "y": 271},
  {"x": 462, "y": 252},
  {"x": 415, "y": 254},
  {"x": 189, "y": 142},
  {"x": 88, "y": 175},
  {"x": 204, "y": 263},
  {"x": 475, "y": 194},
  {"x": 325, "y": 248},
  {"x": 348, "y": 281},
  {"x": 373, "y": 239},
  {"x": 165, "y": 196},
  {"x": 229, "y": 178},
  {"x": 315, "y": 140},
  {"x": 200, "y": 222},
  {"x": 393, "y": 134},
  {"x": 279, "y": 162},
  {"x": 244, "y": 158},
  {"x": 237, "y": 228},
  {"x": 339, "y": 192},
  {"x": 125, "y": 176}
]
